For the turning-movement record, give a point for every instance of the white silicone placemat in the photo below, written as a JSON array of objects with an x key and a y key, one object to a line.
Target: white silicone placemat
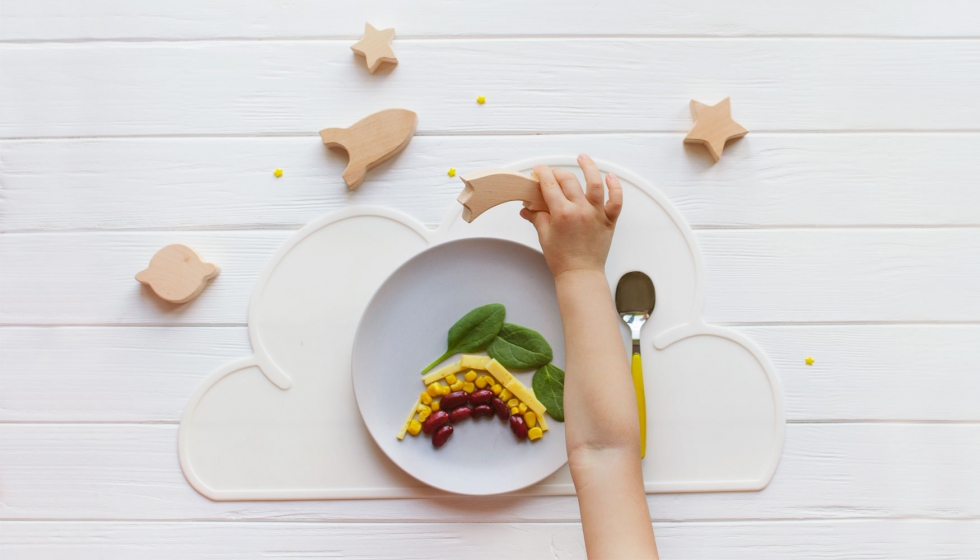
[{"x": 283, "y": 423}]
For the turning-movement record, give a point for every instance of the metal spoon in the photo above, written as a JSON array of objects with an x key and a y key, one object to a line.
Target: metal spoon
[{"x": 635, "y": 299}]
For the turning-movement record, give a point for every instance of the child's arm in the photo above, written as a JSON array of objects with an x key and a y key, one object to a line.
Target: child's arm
[{"x": 601, "y": 429}]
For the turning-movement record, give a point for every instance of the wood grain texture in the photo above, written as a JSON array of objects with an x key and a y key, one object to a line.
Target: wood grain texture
[
  {"x": 279, "y": 87},
  {"x": 909, "y": 539},
  {"x": 208, "y": 19},
  {"x": 753, "y": 276},
  {"x": 146, "y": 374},
  {"x": 765, "y": 180},
  {"x": 839, "y": 470}
]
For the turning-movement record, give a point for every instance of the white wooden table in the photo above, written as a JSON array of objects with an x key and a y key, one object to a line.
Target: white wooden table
[{"x": 845, "y": 226}]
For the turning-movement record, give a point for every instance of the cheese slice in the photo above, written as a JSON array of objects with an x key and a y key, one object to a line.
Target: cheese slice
[
  {"x": 526, "y": 396},
  {"x": 500, "y": 373},
  {"x": 411, "y": 415},
  {"x": 442, "y": 372},
  {"x": 474, "y": 362},
  {"x": 541, "y": 423}
]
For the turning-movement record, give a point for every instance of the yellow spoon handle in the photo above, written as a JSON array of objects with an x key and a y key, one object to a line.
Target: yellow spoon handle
[{"x": 641, "y": 401}]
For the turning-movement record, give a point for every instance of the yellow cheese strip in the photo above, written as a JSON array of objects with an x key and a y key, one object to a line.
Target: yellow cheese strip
[
  {"x": 411, "y": 415},
  {"x": 541, "y": 423},
  {"x": 474, "y": 362},
  {"x": 500, "y": 372},
  {"x": 526, "y": 396},
  {"x": 442, "y": 372}
]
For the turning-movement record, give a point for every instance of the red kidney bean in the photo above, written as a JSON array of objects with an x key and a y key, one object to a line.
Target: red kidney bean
[
  {"x": 517, "y": 426},
  {"x": 442, "y": 436},
  {"x": 503, "y": 412},
  {"x": 482, "y": 396},
  {"x": 453, "y": 400},
  {"x": 460, "y": 414},
  {"x": 482, "y": 410},
  {"x": 436, "y": 419}
]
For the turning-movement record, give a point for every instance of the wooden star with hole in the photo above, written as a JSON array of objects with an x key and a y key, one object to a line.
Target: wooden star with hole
[
  {"x": 375, "y": 47},
  {"x": 713, "y": 126}
]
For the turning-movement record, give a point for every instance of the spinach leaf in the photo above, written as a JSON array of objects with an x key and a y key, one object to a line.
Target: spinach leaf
[
  {"x": 549, "y": 388},
  {"x": 518, "y": 347},
  {"x": 474, "y": 332}
]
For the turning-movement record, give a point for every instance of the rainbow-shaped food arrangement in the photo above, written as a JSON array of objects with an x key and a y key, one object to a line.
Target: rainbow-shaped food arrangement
[{"x": 477, "y": 386}]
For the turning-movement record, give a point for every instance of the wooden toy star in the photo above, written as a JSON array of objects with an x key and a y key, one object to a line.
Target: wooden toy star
[
  {"x": 713, "y": 126},
  {"x": 375, "y": 47}
]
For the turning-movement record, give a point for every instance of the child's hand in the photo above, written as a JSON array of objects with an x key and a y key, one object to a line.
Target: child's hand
[{"x": 577, "y": 229}]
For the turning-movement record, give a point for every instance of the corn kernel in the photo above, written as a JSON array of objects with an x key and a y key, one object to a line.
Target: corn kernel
[
  {"x": 468, "y": 387},
  {"x": 458, "y": 386},
  {"x": 496, "y": 389},
  {"x": 435, "y": 406},
  {"x": 522, "y": 407},
  {"x": 424, "y": 415},
  {"x": 434, "y": 390},
  {"x": 415, "y": 427},
  {"x": 451, "y": 378},
  {"x": 530, "y": 419},
  {"x": 505, "y": 395},
  {"x": 445, "y": 390},
  {"x": 534, "y": 433},
  {"x": 481, "y": 383},
  {"x": 470, "y": 376},
  {"x": 514, "y": 411},
  {"x": 424, "y": 407},
  {"x": 425, "y": 397},
  {"x": 513, "y": 402}
]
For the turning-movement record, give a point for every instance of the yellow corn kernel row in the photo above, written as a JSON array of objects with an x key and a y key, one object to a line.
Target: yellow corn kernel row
[
  {"x": 438, "y": 389},
  {"x": 408, "y": 422},
  {"x": 442, "y": 372}
]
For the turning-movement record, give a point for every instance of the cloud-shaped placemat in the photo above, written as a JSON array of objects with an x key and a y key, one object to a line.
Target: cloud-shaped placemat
[{"x": 283, "y": 423}]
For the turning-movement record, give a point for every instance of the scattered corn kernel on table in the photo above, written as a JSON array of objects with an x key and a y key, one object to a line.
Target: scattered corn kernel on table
[{"x": 841, "y": 235}]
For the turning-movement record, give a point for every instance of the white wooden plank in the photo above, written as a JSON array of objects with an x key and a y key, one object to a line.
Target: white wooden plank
[
  {"x": 146, "y": 374},
  {"x": 763, "y": 180},
  {"x": 188, "y": 19},
  {"x": 775, "y": 275},
  {"x": 840, "y": 539},
  {"x": 838, "y": 470},
  {"x": 109, "y": 374},
  {"x": 532, "y": 85},
  {"x": 90, "y": 278}
]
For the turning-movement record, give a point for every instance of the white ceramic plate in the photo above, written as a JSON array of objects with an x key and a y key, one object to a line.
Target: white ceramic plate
[{"x": 404, "y": 328}]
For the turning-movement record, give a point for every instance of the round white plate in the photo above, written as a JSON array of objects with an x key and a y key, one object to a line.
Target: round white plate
[{"x": 404, "y": 328}]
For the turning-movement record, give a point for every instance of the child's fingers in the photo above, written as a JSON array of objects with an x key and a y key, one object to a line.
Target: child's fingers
[
  {"x": 538, "y": 219},
  {"x": 593, "y": 180},
  {"x": 569, "y": 185},
  {"x": 615, "y": 204},
  {"x": 552, "y": 193}
]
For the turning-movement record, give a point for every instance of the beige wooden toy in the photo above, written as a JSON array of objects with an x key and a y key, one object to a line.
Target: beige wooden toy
[
  {"x": 371, "y": 141},
  {"x": 713, "y": 126},
  {"x": 177, "y": 274},
  {"x": 375, "y": 47},
  {"x": 490, "y": 187}
]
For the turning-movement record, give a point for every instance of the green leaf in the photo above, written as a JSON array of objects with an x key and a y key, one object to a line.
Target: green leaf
[
  {"x": 518, "y": 347},
  {"x": 474, "y": 332},
  {"x": 549, "y": 388}
]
